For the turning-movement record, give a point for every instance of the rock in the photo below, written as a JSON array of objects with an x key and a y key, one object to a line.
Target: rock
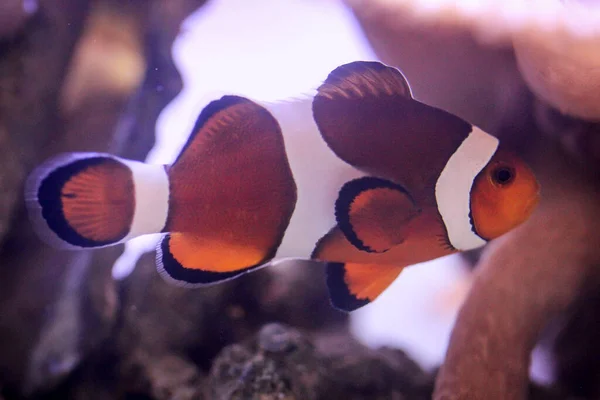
[
  {"x": 34, "y": 278},
  {"x": 240, "y": 374},
  {"x": 160, "y": 21},
  {"x": 577, "y": 349},
  {"x": 81, "y": 318},
  {"x": 161, "y": 317},
  {"x": 96, "y": 378},
  {"x": 13, "y": 16},
  {"x": 358, "y": 372},
  {"x": 297, "y": 295},
  {"x": 105, "y": 376},
  {"x": 164, "y": 318},
  {"x": 276, "y": 338},
  {"x": 28, "y": 107},
  {"x": 164, "y": 377},
  {"x": 283, "y": 363},
  {"x": 537, "y": 392},
  {"x": 166, "y": 337},
  {"x": 57, "y": 307}
]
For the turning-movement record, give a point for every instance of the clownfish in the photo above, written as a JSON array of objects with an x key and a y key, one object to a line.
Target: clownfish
[{"x": 361, "y": 177}]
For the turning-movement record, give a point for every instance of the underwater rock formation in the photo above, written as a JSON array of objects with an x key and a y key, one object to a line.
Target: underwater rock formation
[
  {"x": 162, "y": 318},
  {"x": 57, "y": 307},
  {"x": 280, "y": 362},
  {"x": 13, "y": 16},
  {"x": 34, "y": 60},
  {"x": 576, "y": 347}
]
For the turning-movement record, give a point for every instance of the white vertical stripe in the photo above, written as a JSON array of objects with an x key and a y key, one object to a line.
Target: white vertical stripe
[
  {"x": 319, "y": 175},
  {"x": 453, "y": 187},
  {"x": 151, "y": 188}
]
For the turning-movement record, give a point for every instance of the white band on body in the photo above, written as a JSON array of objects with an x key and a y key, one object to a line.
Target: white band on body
[
  {"x": 453, "y": 187},
  {"x": 151, "y": 189}
]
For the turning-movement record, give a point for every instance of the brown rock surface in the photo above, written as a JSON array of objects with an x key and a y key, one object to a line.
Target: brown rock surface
[
  {"x": 282, "y": 363},
  {"x": 13, "y": 16},
  {"x": 57, "y": 307}
]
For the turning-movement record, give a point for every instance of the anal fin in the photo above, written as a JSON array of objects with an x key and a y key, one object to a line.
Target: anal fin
[{"x": 352, "y": 285}]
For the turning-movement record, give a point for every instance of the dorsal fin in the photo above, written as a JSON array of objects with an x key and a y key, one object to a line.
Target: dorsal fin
[
  {"x": 360, "y": 79},
  {"x": 368, "y": 118}
]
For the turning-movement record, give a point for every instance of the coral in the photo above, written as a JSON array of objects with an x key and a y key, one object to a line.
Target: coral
[{"x": 528, "y": 279}]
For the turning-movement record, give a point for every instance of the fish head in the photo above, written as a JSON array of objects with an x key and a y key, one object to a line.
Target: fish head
[{"x": 504, "y": 194}]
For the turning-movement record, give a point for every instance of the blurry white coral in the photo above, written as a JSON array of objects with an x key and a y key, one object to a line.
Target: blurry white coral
[{"x": 557, "y": 42}]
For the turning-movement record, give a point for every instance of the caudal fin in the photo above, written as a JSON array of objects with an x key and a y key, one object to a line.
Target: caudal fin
[{"x": 84, "y": 200}]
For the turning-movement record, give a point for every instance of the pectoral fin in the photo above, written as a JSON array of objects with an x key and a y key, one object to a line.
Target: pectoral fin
[{"x": 373, "y": 213}]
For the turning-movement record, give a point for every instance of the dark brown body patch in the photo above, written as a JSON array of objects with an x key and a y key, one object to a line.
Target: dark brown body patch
[{"x": 232, "y": 191}]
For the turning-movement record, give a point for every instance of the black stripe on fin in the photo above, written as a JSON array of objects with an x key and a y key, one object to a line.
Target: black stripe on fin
[
  {"x": 339, "y": 293},
  {"x": 173, "y": 272}
]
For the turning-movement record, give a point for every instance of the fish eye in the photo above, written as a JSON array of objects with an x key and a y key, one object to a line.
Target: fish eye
[{"x": 503, "y": 175}]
